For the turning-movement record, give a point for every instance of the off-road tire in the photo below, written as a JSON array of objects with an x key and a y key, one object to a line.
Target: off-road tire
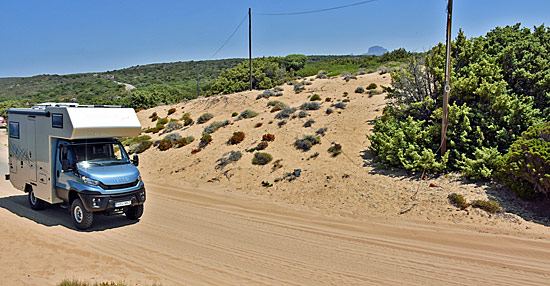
[
  {"x": 82, "y": 218},
  {"x": 134, "y": 212},
  {"x": 35, "y": 203}
]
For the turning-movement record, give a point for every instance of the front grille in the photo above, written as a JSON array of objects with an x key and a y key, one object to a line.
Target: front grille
[{"x": 119, "y": 186}]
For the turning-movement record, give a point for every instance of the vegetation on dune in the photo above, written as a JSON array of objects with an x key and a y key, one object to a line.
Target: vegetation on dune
[
  {"x": 261, "y": 158},
  {"x": 169, "y": 83},
  {"x": 500, "y": 87}
]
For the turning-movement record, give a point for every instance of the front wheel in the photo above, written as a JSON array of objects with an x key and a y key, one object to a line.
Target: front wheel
[
  {"x": 36, "y": 203},
  {"x": 82, "y": 218},
  {"x": 134, "y": 212}
]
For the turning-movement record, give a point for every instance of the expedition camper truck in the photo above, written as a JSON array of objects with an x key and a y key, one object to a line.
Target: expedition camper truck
[{"x": 68, "y": 154}]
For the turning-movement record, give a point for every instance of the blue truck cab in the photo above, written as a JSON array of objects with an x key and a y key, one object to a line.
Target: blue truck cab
[
  {"x": 69, "y": 154},
  {"x": 101, "y": 175}
]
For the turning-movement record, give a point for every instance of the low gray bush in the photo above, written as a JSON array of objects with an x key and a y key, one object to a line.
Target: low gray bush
[
  {"x": 340, "y": 105},
  {"x": 312, "y": 105},
  {"x": 285, "y": 112},
  {"x": 309, "y": 123},
  {"x": 227, "y": 158}
]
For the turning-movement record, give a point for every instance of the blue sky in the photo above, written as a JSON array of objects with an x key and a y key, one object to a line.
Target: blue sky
[{"x": 72, "y": 36}]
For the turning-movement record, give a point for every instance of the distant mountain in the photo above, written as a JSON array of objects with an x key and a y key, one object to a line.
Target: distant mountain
[{"x": 376, "y": 51}]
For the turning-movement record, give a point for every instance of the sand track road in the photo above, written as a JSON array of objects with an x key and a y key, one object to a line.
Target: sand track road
[{"x": 207, "y": 237}]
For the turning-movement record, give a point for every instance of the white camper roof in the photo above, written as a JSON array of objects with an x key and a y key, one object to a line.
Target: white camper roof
[{"x": 86, "y": 121}]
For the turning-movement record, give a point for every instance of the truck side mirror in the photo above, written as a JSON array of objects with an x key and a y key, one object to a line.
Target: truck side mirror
[
  {"x": 135, "y": 160},
  {"x": 66, "y": 167}
]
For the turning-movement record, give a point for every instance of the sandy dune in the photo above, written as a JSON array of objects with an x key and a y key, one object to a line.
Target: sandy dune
[{"x": 197, "y": 230}]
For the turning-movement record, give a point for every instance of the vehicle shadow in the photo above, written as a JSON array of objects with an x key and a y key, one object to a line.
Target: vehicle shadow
[{"x": 54, "y": 215}]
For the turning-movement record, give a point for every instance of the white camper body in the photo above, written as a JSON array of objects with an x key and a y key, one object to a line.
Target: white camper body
[{"x": 33, "y": 135}]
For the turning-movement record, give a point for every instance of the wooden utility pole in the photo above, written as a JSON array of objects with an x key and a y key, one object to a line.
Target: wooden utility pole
[
  {"x": 198, "y": 88},
  {"x": 447, "y": 87},
  {"x": 250, "y": 45}
]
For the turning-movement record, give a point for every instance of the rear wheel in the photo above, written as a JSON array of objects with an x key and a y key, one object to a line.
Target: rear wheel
[
  {"x": 36, "y": 203},
  {"x": 82, "y": 218},
  {"x": 134, "y": 212}
]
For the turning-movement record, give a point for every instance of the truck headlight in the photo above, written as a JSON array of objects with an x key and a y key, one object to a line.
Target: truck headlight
[{"x": 90, "y": 181}]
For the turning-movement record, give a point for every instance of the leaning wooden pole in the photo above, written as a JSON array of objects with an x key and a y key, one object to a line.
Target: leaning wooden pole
[
  {"x": 250, "y": 45},
  {"x": 447, "y": 87}
]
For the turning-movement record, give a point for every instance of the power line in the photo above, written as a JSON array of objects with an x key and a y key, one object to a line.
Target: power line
[
  {"x": 315, "y": 11},
  {"x": 230, "y": 36}
]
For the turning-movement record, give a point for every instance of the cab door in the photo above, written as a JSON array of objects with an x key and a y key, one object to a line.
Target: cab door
[{"x": 63, "y": 178}]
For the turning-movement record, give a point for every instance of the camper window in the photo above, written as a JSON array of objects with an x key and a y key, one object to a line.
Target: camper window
[
  {"x": 57, "y": 120},
  {"x": 14, "y": 129}
]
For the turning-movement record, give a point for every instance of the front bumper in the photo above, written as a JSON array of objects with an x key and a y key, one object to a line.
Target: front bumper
[{"x": 113, "y": 202}]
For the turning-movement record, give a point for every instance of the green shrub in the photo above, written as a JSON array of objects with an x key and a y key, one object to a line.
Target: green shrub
[
  {"x": 162, "y": 121},
  {"x": 188, "y": 122},
  {"x": 266, "y": 73},
  {"x": 186, "y": 116},
  {"x": 335, "y": 150},
  {"x": 302, "y": 114},
  {"x": 234, "y": 114},
  {"x": 525, "y": 169},
  {"x": 315, "y": 97},
  {"x": 154, "y": 118},
  {"x": 237, "y": 138},
  {"x": 262, "y": 145},
  {"x": 247, "y": 114},
  {"x": 276, "y": 104},
  {"x": 139, "y": 147},
  {"x": 204, "y": 118},
  {"x": 307, "y": 142},
  {"x": 205, "y": 140},
  {"x": 171, "y": 111},
  {"x": 155, "y": 129},
  {"x": 165, "y": 144},
  {"x": 404, "y": 144},
  {"x": 489, "y": 206},
  {"x": 134, "y": 140},
  {"x": 458, "y": 200},
  {"x": 359, "y": 90},
  {"x": 372, "y": 86},
  {"x": 483, "y": 164},
  {"x": 154, "y": 114},
  {"x": 184, "y": 141},
  {"x": 261, "y": 158}
]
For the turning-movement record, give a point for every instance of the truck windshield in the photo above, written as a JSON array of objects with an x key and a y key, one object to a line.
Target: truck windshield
[{"x": 99, "y": 154}]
